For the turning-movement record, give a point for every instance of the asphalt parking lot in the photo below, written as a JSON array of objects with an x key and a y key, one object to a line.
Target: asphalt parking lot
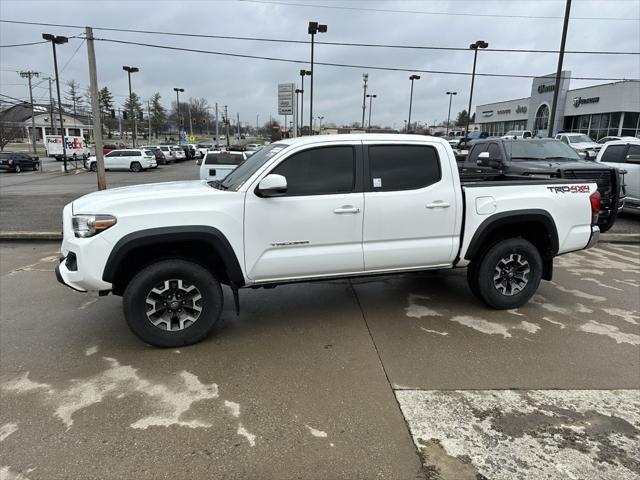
[{"x": 395, "y": 377}]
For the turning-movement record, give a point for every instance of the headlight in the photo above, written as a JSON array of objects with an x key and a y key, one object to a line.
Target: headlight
[{"x": 89, "y": 225}]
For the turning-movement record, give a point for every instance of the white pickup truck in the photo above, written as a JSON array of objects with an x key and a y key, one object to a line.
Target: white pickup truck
[{"x": 318, "y": 207}]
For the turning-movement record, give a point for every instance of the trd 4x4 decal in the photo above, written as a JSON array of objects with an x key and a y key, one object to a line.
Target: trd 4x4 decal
[{"x": 570, "y": 189}]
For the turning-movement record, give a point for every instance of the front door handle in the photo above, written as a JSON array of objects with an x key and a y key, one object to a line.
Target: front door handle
[
  {"x": 346, "y": 209},
  {"x": 438, "y": 204}
]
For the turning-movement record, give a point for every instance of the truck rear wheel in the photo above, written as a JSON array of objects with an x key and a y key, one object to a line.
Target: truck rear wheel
[
  {"x": 507, "y": 275},
  {"x": 172, "y": 303}
]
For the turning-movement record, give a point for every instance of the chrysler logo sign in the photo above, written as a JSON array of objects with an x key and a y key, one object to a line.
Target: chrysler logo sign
[
  {"x": 577, "y": 101},
  {"x": 546, "y": 88}
]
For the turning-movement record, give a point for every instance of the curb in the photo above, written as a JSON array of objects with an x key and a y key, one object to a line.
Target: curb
[
  {"x": 30, "y": 236},
  {"x": 630, "y": 238}
]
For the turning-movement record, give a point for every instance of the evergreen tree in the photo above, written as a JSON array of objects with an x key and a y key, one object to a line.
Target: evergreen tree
[
  {"x": 158, "y": 114},
  {"x": 131, "y": 105}
]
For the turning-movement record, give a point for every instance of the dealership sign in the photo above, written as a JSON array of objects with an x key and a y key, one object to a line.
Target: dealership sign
[
  {"x": 521, "y": 109},
  {"x": 577, "y": 101},
  {"x": 286, "y": 92},
  {"x": 546, "y": 88}
]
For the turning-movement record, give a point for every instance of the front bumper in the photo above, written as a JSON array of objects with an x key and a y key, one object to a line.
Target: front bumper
[{"x": 595, "y": 236}]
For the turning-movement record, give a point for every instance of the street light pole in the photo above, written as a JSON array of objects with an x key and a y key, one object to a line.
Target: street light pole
[
  {"x": 314, "y": 28},
  {"x": 412, "y": 78},
  {"x": 451, "y": 94},
  {"x": 371, "y": 97},
  {"x": 474, "y": 47},
  {"x": 59, "y": 40},
  {"x": 320, "y": 118},
  {"x": 365, "y": 78},
  {"x": 178, "y": 90},
  {"x": 129, "y": 71},
  {"x": 303, "y": 73}
]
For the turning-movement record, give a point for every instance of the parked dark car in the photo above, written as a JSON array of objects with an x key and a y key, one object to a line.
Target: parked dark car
[
  {"x": 160, "y": 158},
  {"x": 189, "y": 153},
  {"x": 18, "y": 161},
  {"x": 546, "y": 158},
  {"x": 108, "y": 147}
]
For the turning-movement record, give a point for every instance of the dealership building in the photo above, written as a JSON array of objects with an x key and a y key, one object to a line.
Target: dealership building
[{"x": 599, "y": 111}]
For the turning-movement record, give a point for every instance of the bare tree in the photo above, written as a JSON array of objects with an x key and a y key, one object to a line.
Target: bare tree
[
  {"x": 8, "y": 133},
  {"x": 74, "y": 96}
]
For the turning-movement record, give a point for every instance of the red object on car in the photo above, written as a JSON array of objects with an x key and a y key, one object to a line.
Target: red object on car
[{"x": 107, "y": 148}]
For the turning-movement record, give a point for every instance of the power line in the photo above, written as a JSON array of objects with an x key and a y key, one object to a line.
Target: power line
[
  {"x": 306, "y": 42},
  {"x": 422, "y": 12},
  {"x": 23, "y": 44},
  {"x": 328, "y": 64}
]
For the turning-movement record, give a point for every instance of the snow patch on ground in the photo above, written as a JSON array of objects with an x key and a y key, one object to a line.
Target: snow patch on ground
[
  {"x": 582, "y": 309},
  {"x": 7, "y": 474},
  {"x": 579, "y": 293},
  {"x": 434, "y": 331},
  {"x": 233, "y": 408},
  {"x": 316, "y": 433},
  {"x": 415, "y": 310},
  {"x": 600, "y": 284},
  {"x": 91, "y": 350},
  {"x": 550, "y": 320},
  {"x": 7, "y": 429},
  {"x": 626, "y": 315},
  {"x": 503, "y": 434},
  {"x": 251, "y": 438},
  {"x": 610, "y": 331}
]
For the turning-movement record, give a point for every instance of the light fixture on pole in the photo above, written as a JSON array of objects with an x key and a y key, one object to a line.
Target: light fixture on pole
[
  {"x": 412, "y": 78},
  {"x": 314, "y": 28},
  {"x": 303, "y": 73},
  {"x": 178, "y": 90},
  {"x": 371, "y": 97},
  {"x": 451, "y": 94},
  {"x": 320, "y": 118},
  {"x": 129, "y": 71},
  {"x": 58, "y": 40},
  {"x": 474, "y": 47}
]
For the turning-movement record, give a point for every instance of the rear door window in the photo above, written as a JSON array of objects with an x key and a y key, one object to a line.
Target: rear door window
[
  {"x": 494, "y": 152},
  {"x": 134, "y": 154},
  {"x": 402, "y": 167},
  {"x": 223, "y": 159},
  {"x": 614, "y": 154},
  {"x": 472, "y": 159}
]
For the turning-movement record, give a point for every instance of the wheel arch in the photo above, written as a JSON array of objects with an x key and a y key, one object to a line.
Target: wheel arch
[
  {"x": 534, "y": 225},
  {"x": 202, "y": 244}
]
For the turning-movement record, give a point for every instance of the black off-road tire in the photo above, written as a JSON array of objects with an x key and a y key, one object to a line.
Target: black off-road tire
[
  {"x": 93, "y": 167},
  {"x": 136, "y": 306},
  {"x": 485, "y": 277}
]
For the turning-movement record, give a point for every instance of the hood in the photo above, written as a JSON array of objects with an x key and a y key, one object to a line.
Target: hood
[
  {"x": 115, "y": 200},
  {"x": 548, "y": 166},
  {"x": 585, "y": 145}
]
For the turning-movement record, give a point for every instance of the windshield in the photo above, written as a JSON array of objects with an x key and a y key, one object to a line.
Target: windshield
[
  {"x": 240, "y": 175},
  {"x": 579, "y": 139},
  {"x": 522, "y": 150}
]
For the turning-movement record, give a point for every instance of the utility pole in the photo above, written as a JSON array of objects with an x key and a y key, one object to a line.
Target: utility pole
[
  {"x": 238, "y": 116},
  {"x": 149, "y": 118},
  {"x": 54, "y": 130},
  {"x": 95, "y": 107},
  {"x": 217, "y": 130},
  {"x": 190, "y": 119},
  {"x": 451, "y": 94},
  {"x": 554, "y": 104},
  {"x": 365, "y": 78},
  {"x": 226, "y": 122},
  {"x": 28, "y": 74}
]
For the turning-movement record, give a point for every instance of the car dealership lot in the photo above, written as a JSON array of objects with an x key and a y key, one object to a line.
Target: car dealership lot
[{"x": 386, "y": 377}]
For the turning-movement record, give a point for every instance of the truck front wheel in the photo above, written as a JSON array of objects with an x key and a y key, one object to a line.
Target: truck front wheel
[
  {"x": 507, "y": 275},
  {"x": 172, "y": 303}
]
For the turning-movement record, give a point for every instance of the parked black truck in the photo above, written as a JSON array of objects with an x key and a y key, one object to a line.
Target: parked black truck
[{"x": 545, "y": 158}]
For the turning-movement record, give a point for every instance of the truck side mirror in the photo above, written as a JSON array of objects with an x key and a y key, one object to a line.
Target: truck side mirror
[
  {"x": 631, "y": 158},
  {"x": 273, "y": 185},
  {"x": 483, "y": 159}
]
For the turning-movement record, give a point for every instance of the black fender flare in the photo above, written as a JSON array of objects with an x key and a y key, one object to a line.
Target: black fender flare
[
  {"x": 167, "y": 235},
  {"x": 514, "y": 216}
]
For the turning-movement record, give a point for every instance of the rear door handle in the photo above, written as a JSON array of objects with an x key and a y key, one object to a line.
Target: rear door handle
[
  {"x": 438, "y": 204},
  {"x": 346, "y": 209}
]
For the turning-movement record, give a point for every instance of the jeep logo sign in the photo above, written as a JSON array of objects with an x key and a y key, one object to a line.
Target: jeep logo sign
[
  {"x": 577, "y": 101},
  {"x": 546, "y": 88},
  {"x": 521, "y": 109}
]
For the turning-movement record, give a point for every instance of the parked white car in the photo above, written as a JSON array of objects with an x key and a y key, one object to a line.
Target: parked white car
[
  {"x": 253, "y": 147},
  {"x": 581, "y": 143},
  {"x": 166, "y": 152},
  {"x": 612, "y": 138},
  {"x": 517, "y": 135},
  {"x": 133, "y": 159},
  {"x": 625, "y": 155},
  {"x": 219, "y": 164},
  {"x": 177, "y": 153}
]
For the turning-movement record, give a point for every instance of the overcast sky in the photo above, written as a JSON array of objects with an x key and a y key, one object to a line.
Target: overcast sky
[{"x": 249, "y": 86}]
